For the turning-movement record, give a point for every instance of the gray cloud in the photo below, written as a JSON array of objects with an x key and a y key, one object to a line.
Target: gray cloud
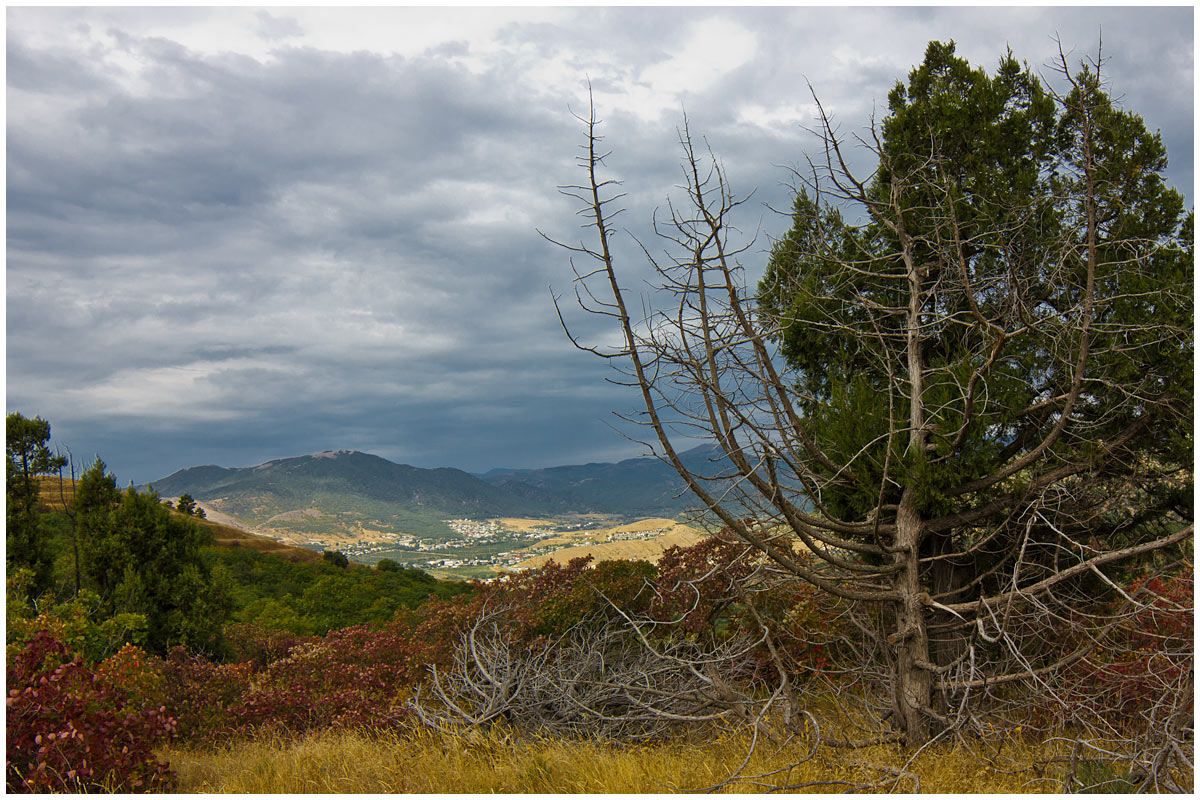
[
  {"x": 232, "y": 236},
  {"x": 273, "y": 28}
]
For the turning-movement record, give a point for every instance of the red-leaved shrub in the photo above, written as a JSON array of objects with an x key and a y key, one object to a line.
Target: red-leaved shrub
[
  {"x": 70, "y": 728},
  {"x": 1146, "y": 657},
  {"x": 203, "y": 696},
  {"x": 350, "y": 677}
]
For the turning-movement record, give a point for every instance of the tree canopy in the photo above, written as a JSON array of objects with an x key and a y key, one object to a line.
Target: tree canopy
[
  {"x": 27, "y": 448},
  {"x": 1022, "y": 285},
  {"x": 142, "y": 558},
  {"x": 961, "y": 400}
]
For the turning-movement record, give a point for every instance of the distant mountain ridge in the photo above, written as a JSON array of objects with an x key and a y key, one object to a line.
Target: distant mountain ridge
[
  {"x": 293, "y": 482},
  {"x": 636, "y": 486},
  {"x": 349, "y": 482}
]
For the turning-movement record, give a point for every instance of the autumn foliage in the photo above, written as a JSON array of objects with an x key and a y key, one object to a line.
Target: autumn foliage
[
  {"x": 75, "y": 727},
  {"x": 1149, "y": 653},
  {"x": 81, "y": 716}
]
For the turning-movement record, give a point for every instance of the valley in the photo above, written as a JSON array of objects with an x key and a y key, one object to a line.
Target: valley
[
  {"x": 479, "y": 548},
  {"x": 445, "y": 521}
]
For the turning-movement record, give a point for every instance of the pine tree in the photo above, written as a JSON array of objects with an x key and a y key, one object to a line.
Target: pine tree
[
  {"x": 27, "y": 447},
  {"x": 962, "y": 398}
]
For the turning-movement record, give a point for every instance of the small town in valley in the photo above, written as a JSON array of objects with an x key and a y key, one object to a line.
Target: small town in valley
[{"x": 492, "y": 546}]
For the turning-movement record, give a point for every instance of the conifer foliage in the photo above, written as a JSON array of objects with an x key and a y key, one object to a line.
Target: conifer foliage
[
  {"x": 964, "y": 385},
  {"x": 142, "y": 558},
  {"x": 28, "y": 455}
]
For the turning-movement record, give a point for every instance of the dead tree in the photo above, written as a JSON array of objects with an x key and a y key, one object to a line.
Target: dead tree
[
  {"x": 69, "y": 509},
  {"x": 962, "y": 415},
  {"x": 617, "y": 681}
]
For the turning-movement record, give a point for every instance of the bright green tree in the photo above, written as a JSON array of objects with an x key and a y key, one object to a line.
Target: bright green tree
[
  {"x": 141, "y": 558},
  {"x": 27, "y": 446}
]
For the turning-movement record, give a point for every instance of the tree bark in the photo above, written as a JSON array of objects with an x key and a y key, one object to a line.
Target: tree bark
[{"x": 913, "y": 684}]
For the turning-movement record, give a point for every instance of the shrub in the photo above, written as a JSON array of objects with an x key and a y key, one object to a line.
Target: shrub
[
  {"x": 336, "y": 557},
  {"x": 706, "y": 591},
  {"x": 70, "y": 728},
  {"x": 701, "y": 592},
  {"x": 351, "y": 677},
  {"x": 203, "y": 696},
  {"x": 697, "y": 584},
  {"x": 260, "y": 644},
  {"x": 1147, "y": 657},
  {"x": 538, "y": 605},
  {"x": 81, "y": 626}
]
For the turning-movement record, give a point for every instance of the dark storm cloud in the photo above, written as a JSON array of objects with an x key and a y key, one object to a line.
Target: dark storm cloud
[{"x": 233, "y": 238}]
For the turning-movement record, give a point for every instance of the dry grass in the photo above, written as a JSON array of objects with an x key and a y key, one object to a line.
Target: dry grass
[
  {"x": 228, "y": 536},
  {"x": 593, "y": 543},
  {"x": 474, "y": 763},
  {"x": 52, "y": 492}
]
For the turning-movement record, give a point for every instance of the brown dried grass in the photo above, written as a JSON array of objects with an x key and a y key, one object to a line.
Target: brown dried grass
[{"x": 422, "y": 761}]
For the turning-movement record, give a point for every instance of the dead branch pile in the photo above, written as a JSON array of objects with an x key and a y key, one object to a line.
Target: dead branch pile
[{"x": 611, "y": 681}]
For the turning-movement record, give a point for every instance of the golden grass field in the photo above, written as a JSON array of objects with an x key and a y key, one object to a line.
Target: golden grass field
[
  {"x": 52, "y": 492},
  {"x": 427, "y": 762},
  {"x": 593, "y": 542},
  {"x": 525, "y": 525}
]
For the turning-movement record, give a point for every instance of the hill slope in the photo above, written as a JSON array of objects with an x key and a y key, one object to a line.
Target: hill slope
[
  {"x": 635, "y": 487},
  {"x": 347, "y": 472},
  {"x": 305, "y": 492},
  {"x": 328, "y": 499}
]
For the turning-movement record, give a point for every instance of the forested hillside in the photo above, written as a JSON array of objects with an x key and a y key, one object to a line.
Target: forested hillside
[
  {"x": 353, "y": 485},
  {"x": 634, "y": 487}
]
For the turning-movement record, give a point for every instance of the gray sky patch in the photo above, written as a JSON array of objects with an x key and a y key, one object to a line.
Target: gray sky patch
[{"x": 236, "y": 234}]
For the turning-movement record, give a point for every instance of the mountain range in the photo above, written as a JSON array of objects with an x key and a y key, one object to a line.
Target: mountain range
[
  {"x": 385, "y": 495},
  {"x": 634, "y": 487}
]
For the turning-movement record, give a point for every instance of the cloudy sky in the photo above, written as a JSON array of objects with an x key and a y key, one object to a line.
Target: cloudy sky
[{"x": 238, "y": 234}]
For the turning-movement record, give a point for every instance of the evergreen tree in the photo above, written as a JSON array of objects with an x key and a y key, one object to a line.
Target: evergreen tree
[
  {"x": 26, "y": 444},
  {"x": 983, "y": 410},
  {"x": 1002, "y": 353},
  {"x": 336, "y": 558},
  {"x": 186, "y": 505},
  {"x": 141, "y": 558}
]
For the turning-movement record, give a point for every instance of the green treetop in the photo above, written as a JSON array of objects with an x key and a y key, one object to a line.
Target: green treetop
[{"x": 27, "y": 447}]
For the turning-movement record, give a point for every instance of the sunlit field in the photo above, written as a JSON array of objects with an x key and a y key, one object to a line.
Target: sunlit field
[{"x": 423, "y": 761}]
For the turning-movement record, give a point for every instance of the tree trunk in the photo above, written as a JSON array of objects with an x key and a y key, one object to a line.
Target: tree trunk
[
  {"x": 912, "y": 689},
  {"x": 946, "y": 576}
]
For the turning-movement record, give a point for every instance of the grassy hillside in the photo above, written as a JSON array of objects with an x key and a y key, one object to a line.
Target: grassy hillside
[
  {"x": 643, "y": 540},
  {"x": 55, "y": 494},
  {"x": 228, "y": 537},
  {"x": 283, "y": 587}
]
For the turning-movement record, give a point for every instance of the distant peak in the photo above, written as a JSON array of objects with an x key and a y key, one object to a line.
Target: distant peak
[{"x": 334, "y": 453}]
